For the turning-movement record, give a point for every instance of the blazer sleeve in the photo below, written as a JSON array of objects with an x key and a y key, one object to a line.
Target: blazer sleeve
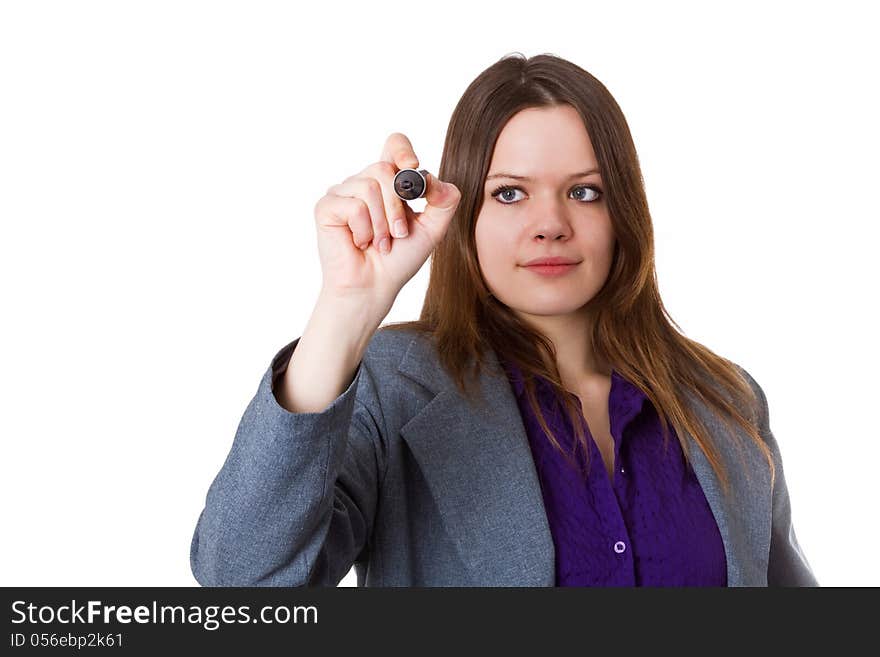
[
  {"x": 294, "y": 502},
  {"x": 788, "y": 566}
]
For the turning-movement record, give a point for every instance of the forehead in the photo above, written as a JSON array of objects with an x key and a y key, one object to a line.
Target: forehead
[{"x": 536, "y": 140}]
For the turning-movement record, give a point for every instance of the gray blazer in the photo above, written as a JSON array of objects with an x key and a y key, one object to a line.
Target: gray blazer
[{"x": 417, "y": 486}]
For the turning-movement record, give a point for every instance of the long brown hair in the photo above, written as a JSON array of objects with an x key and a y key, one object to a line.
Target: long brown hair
[{"x": 631, "y": 329}]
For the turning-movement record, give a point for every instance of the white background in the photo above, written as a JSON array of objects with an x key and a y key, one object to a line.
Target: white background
[{"x": 159, "y": 165}]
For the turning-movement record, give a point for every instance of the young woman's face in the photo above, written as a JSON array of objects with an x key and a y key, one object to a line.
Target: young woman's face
[{"x": 554, "y": 213}]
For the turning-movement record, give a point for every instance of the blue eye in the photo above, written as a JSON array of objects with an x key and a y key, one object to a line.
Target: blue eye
[{"x": 499, "y": 193}]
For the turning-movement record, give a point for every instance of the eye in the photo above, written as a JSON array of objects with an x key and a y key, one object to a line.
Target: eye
[
  {"x": 501, "y": 193},
  {"x": 595, "y": 190}
]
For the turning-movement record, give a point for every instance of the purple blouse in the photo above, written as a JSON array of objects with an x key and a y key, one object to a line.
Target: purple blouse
[{"x": 649, "y": 526}]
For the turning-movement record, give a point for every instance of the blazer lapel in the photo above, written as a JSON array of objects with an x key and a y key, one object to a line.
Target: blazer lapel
[
  {"x": 479, "y": 467},
  {"x": 744, "y": 517}
]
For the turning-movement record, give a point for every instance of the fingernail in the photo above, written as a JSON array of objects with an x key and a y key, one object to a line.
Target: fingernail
[
  {"x": 384, "y": 245},
  {"x": 400, "y": 228}
]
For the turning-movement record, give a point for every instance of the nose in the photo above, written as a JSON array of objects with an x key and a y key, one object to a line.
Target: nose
[
  {"x": 553, "y": 235},
  {"x": 549, "y": 218},
  {"x": 553, "y": 225}
]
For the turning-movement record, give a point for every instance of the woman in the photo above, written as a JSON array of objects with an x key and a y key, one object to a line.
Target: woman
[{"x": 540, "y": 425}]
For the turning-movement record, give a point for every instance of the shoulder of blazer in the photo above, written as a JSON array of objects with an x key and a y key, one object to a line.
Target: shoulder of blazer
[{"x": 411, "y": 354}]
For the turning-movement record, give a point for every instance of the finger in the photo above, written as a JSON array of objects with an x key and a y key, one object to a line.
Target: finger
[
  {"x": 397, "y": 151},
  {"x": 394, "y": 205},
  {"x": 349, "y": 213},
  {"x": 369, "y": 190}
]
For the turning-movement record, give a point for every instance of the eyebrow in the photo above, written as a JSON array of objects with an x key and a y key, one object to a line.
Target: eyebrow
[{"x": 527, "y": 178}]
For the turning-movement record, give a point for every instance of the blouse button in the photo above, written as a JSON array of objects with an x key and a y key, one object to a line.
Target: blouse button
[{"x": 619, "y": 547}]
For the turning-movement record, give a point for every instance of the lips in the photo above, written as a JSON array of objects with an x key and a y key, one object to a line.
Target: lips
[
  {"x": 551, "y": 261},
  {"x": 551, "y": 270}
]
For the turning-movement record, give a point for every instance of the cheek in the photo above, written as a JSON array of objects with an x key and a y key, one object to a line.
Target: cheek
[
  {"x": 496, "y": 251},
  {"x": 497, "y": 247},
  {"x": 491, "y": 238},
  {"x": 601, "y": 240}
]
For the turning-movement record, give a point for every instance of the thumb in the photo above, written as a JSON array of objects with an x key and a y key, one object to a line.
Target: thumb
[
  {"x": 445, "y": 194},
  {"x": 442, "y": 200}
]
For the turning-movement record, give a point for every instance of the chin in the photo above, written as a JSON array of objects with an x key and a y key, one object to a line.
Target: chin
[{"x": 548, "y": 307}]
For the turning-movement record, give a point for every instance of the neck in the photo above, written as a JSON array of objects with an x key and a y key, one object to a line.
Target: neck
[{"x": 574, "y": 358}]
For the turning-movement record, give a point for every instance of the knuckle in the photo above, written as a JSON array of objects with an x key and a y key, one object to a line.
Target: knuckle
[
  {"x": 373, "y": 188},
  {"x": 366, "y": 185},
  {"x": 360, "y": 209},
  {"x": 385, "y": 168}
]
